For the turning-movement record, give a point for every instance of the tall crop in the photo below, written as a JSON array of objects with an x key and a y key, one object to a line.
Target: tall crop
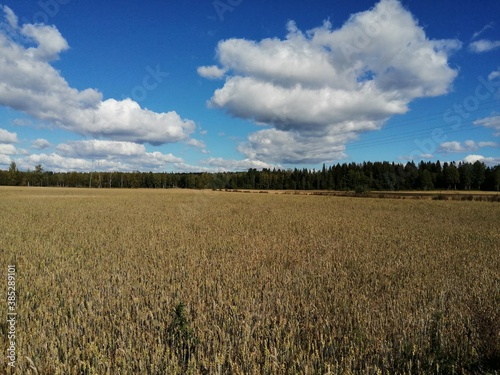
[{"x": 170, "y": 281}]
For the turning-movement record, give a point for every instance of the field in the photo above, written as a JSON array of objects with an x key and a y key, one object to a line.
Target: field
[
  {"x": 457, "y": 195},
  {"x": 202, "y": 282}
]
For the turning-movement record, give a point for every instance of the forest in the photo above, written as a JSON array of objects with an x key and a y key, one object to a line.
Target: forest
[{"x": 360, "y": 177}]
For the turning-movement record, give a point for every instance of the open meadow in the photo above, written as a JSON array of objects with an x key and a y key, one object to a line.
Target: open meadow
[{"x": 112, "y": 281}]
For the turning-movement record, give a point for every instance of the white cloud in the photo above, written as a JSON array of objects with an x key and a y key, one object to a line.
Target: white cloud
[
  {"x": 125, "y": 120},
  {"x": 286, "y": 147},
  {"x": 10, "y": 17},
  {"x": 40, "y": 144},
  {"x": 224, "y": 165},
  {"x": 131, "y": 156},
  {"x": 490, "y": 122},
  {"x": 147, "y": 161},
  {"x": 49, "y": 42},
  {"x": 7, "y": 136},
  {"x": 216, "y": 165},
  {"x": 320, "y": 89},
  {"x": 211, "y": 72},
  {"x": 469, "y": 145},
  {"x": 4, "y": 159},
  {"x": 473, "y": 158},
  {"x": 487, "y": 144},
  {"x": 28, "y": 83},
  {"x": 108, "y": 155},
  {"x": 157, "y": 160},
  {"x": 99, "y": 155},
  {"x": 426, "y": 156},
  {"x": 484, "y": 45},
  {"x": 57, "y": 163},
  {"x": 493, "y": 75},
  {"x": 196, "y": 143},
  {"x": 100, "y": 149},
  {"x": 486, "y": 160},
  {"x": 184, "y": 167},
  {"x": 7, "y": 149},
  {"x": 480, "y": 32}
]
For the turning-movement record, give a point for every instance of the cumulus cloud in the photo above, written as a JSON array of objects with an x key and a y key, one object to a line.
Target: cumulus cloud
[
  {"x": 7, "y": 140},
  {"x": 100, "y": 148},
  {"x": 211, "y": 72},
  {"x": 216, "y": 165},
  {"x": 484, "y": 45},
  {"x": 132, "y": 156},
  {"x": 7, "y": 149},
  {"x": 492, "y": 122},
  {"x": 4, "y": 159},
  {"x": 453, "y": 146},
  {"x": 50, "y": 42},
  {"x": 40, "y": 144},
  {"x": 95, "y": 155},
  {"x": 320, "y": 89},
  {"x": 466, "y": 146},
  {"x": 157, "y": 160},
  {"x": 29, "y": 83},
  {"x": 54, "y": 162},
  {"x": 486, "y": 160},
  {"x": 185, "y": 167},
  {"x": 59, "y": 163},
  {"x": 287, "y": 147},
  {"x": 196, "y": 143},
  {"x": 7, "y": 136},
  {"x": 225, "y": 165}
]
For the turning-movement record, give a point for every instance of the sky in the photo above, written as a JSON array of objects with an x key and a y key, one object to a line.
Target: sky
[{"x": 228, "y": 85}]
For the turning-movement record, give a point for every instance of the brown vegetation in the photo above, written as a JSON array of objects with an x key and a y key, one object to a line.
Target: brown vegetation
[{"x": 170, "y": 281}]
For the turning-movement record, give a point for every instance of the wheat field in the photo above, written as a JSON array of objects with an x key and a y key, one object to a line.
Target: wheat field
[{"x": 202, "y": 282}]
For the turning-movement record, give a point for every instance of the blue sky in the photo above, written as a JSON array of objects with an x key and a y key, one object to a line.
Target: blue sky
[{"x": 235, "y": 84}]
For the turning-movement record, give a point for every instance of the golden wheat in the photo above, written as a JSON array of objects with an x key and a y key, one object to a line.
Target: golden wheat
[{"x": 171, "y": 281}]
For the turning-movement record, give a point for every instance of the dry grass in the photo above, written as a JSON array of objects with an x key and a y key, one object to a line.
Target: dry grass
[{"x": 170, "y": 281}]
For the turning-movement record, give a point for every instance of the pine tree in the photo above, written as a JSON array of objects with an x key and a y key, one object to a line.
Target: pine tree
[
  {"x": 425, "y": 180},
  {"x": 465, "y": 172},
  {"x": 451, "y": 176},
  {"x": 478, "y": 174}
]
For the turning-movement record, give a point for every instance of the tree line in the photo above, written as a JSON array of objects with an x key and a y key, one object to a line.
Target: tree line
[{"x": 347, "y": 176}]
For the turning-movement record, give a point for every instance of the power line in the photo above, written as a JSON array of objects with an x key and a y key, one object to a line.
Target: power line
[{"x": 415, "y": 133}]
